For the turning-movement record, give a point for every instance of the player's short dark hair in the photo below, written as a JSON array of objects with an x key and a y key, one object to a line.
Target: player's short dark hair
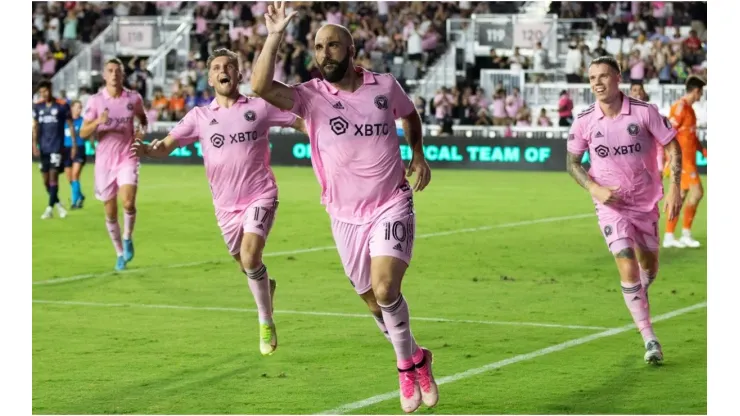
[
  {"x": 44, "y": 84},
  {"x": 633, "y": 83},
  {"x": 607, "y": 60},
  {"x": 693, "y": 82},
  {"x": 114, "y": 61},
  {"x": 233, "y": 57}
]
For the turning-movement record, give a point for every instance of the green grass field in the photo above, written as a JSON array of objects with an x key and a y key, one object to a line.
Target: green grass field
[{"x": 177, "y": 333}]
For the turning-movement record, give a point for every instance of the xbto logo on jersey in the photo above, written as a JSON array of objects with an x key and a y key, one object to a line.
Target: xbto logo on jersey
[
  {"x": 603, "y": 151},
  {"x": 338, "y": 125},
  {"x": 217, "y": 140},
  {"x": 250, "y": 116},
  {"x": 244, "y": 136},
  {"x": 381, "y": 101},
  {"x": 376, "y": 129}
]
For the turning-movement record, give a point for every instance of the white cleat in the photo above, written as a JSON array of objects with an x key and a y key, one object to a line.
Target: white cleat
[
  {"x": 687, "y": 241},
  {"x": 61, "y": 210},
  {"x": 669, "y": 241},
  {"x": 653, "y": 353},
  {"x": 48, "y": 213}
]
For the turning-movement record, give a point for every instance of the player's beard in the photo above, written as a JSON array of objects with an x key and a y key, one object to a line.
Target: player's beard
[{"x": 339, "y": 71}]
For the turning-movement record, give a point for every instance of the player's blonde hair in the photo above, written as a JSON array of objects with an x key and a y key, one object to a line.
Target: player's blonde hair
[
  {"x": 233, "y": 57},
  {"x": 114, "y": 61}
]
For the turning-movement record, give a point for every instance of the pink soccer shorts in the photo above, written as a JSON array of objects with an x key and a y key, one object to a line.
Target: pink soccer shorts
[
  {"x": 391, "y": 234},
  {"x": 257, "y": 218},
  {"x": 109, "y": 181},
  {"x": 629, "y": 229}
]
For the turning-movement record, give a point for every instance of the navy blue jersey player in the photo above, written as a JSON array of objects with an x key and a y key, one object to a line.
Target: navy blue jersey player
[{"x": 50, "y": 119}]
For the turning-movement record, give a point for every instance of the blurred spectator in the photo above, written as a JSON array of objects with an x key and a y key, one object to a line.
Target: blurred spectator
[
  {"x": 523, "y": 116},
  {"x": 565, "y": 109},
  {"x": 543, "y": 120},
  {"x": 498, "y": 108},
  {"x": 574, "y": 63}
]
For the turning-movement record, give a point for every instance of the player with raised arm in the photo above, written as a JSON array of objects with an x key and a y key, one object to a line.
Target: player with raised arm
[
  {"x": 109, "y": 117},
  {"x": 50, "y": 119},
  {"x": 351, "y": 115},
  {"x": 233, "y": 134},
  {"x": 623, "y": 136},
  {"x": 73, "y": 164},
  {"x": 683, "y": 118}
]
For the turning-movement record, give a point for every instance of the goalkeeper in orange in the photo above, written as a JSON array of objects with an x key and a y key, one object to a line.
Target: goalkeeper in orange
[{"x": 683, "y": 118}]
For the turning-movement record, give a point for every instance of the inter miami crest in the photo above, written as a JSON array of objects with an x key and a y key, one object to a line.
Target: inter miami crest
[
  {"x": 130, "y": 107},
  {"x": 633, "y": 129},
  {"x": 250, "y": 116},
  {"x": 667, "y": 123},
  {"x": 607, "y": 231},
  {"x": 381, "y": 101}
]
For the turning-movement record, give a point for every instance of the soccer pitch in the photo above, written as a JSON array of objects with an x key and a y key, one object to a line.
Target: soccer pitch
[{"x": 511, "y": 286}]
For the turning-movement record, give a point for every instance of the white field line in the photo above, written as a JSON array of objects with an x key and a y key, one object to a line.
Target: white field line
[
  {"x": 291, "y": 312},
  {"x": 59, "y": 280},
  {"x": 349, "y": 407}
]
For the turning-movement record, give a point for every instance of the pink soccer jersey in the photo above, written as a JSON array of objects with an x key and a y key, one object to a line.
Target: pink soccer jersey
[
  {"x": 236, "y": 150},
  {"x": 623, "y": 150},
  {"x": 117, "y": 134},
  {"x": 354, "y": 145}
]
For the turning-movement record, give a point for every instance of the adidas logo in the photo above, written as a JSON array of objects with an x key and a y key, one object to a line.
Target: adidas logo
[
  {"x": 598, "y": 134},
  {"x": 398, "y": 247},
  {"x": 213, "y": 122},
  {"x": 260, "y": 226},
  {"x": 338, "y": 106}
]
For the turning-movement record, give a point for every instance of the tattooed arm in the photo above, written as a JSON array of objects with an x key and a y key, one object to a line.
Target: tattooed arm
[
  {"x": 674, "y": 153},
  {"x": 576, "y": 170}
]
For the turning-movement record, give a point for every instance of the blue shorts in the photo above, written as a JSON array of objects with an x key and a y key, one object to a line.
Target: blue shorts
[{"x": 80, "y": 157}]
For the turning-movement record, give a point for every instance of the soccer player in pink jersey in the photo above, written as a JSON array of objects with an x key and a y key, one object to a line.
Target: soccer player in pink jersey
[
  {"x": 623, "y": 136},
  {"x": 109, "y": 117},
  {"x": 350, "y": 115},
  {"x": 232, "y": 132}
]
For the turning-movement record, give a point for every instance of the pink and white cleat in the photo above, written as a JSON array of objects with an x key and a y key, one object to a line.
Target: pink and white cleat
[
  {"x": 410, "y": 393},
  {"x": 429, "y": 390}
]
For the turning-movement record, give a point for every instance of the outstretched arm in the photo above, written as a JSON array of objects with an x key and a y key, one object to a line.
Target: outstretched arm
[{"x": 157, "y": 148}]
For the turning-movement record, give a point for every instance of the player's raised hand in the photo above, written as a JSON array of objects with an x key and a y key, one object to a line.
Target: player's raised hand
[
  {"x": 673, "y": 202},
  {"x": 423, "y": 172},
  {"x": 275, "y": 18},
  {"x": 607, "y": 195}
]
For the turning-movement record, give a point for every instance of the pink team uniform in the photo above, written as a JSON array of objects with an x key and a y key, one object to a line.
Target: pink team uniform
[
  {"x": 623, "y": 152},
  {"x": 236, "y": 153},
  {"x": 357, "y": 161},
  {"x": 114, "y": 166}
]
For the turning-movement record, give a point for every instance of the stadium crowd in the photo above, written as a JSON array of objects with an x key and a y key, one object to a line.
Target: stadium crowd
[{"x": 399, "y": 37}]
